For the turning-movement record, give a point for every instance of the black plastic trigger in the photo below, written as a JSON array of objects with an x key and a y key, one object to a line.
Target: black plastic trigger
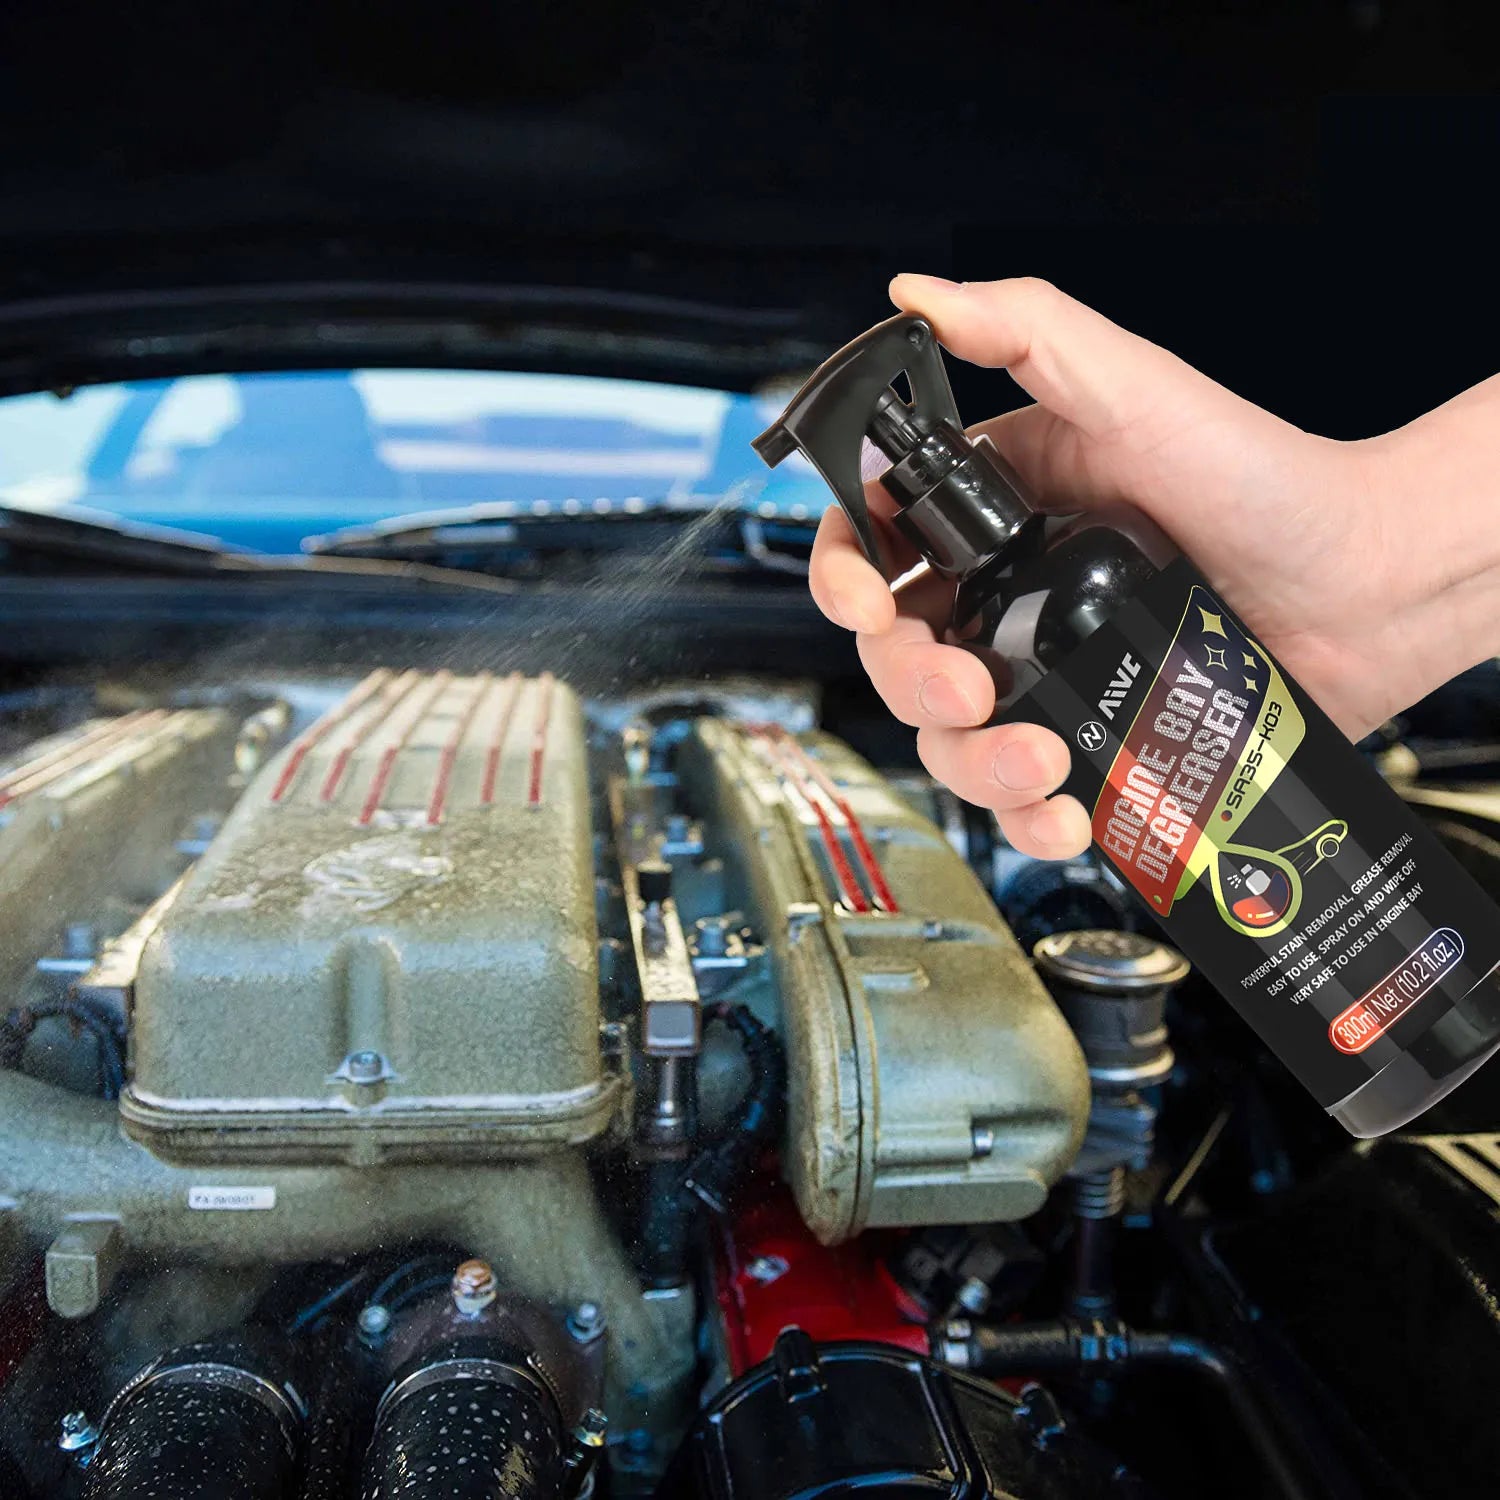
[{"x": 830, "y": 415}]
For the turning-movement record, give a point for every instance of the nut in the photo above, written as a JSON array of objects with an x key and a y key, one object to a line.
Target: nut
[
  {"x": 590, "y": 1431},
  {"x": 713, "y": 936},
  {"x": 768, "y": 1268},
  {"x": 374, "y": 1321},
  {"x": 974, "y": 1296},
  {"x": 473, "y": 1287},
  {"x": 366, "y": 1067},
  {"x": 76, "y": 1433},
  {"x": 586, "y": 1321}
]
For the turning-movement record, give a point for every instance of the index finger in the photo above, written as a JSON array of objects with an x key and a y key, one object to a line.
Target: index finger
[{"x": 845, "y": 584}]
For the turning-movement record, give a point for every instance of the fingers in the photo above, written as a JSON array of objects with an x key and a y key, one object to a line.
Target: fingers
[
  {"x": 1073, "y": 360},
  {"x": 844, "y": 584},
  {"x": 1055, "y": 829},
  {"x": 1063, "y": 469},
  {"x": 1013, "y": 769},
  {"x": 1011, "y": 765},
  {"x": 923, "y": 682}
]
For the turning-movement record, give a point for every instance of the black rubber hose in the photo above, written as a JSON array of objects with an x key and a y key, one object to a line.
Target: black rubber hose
[
  {"x": 1083, "y": 1348},
  {"x": 303, "y": 1298},
  {"x": 463, "y": 1423},
  {"x": 1187, "y": 1351},
  {"x": 217, "y": 1418},
  {"x": 1283, "y": 1390},
  {"x": 1091, "y": 1280},
  {"x": 717, "y": 1171},
  {"x": 667, "y": 1216},
  {"x": 674, "y": 1195},
  {"x": 416, "y": 1274}
]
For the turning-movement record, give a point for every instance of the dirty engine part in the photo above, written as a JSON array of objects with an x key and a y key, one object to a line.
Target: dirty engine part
[{"x": 399, "y": 915}]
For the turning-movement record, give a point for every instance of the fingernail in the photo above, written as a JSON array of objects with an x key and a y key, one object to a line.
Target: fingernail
[
  {"x": 941, "y": 698},
  {"x": 1050, "y": 825},
  {"x": 1019, "y": 767},
  {"x": 838, "y": 607},
  {"x": 933, "y": 281},
  {"x": 852, "y": 614}
]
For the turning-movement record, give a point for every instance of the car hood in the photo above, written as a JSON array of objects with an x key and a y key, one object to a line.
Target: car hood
[{"x": 707, "y": 196}]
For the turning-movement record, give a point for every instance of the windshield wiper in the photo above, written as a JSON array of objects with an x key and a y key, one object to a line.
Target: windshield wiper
[
  {"x": 79, "y": 535},
  {"x": 506, "y": 536},
  {"x": 93, "y": 539}
]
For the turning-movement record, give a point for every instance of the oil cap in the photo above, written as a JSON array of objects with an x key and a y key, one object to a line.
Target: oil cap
[
  {"x": 1109, "y": 961},
  {"x": 1112, "y": 986}
]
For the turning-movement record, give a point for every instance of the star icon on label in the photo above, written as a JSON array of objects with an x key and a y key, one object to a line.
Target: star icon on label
[
  {"x": 1212, "y": 624},
  {"x": 1251, "y": 659},
  {"x": 1219, "y": 653},
  {"x": 1252, "y": 684}
]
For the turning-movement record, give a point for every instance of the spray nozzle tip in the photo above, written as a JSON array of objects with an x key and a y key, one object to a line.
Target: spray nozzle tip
[{"x": 774, "y": 444}]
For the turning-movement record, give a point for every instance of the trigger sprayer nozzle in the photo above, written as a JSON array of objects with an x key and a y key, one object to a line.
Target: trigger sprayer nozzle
[
  {"x": 958, "y": 502},
  {"x": 891, "y": 427}
]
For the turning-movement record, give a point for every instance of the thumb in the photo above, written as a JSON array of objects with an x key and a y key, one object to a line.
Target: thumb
[{"x": 1071, "y": 359}]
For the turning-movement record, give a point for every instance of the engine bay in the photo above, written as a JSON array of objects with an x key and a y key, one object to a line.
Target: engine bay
[{"x": 446, "y": 1082}]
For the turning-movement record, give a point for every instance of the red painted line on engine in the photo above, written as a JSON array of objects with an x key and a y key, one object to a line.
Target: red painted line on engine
[
  {"x": 389, "y": 756},
  {"x": 335, "y": 775},
  {"x": 512, "y": 689},
  {"x": 449, "y": 756},
  {"x": 885, "y": 898},
  {"x": 391, "y": 694},
  {"x": 378, "y": 782},
  {"x": 40, "y": 773},
  {"x": 34, "y": 767},
  {"x": 315, "y": 731},
  {"x": 851, "y": 893},
  {"x": 539, "y": 740}
]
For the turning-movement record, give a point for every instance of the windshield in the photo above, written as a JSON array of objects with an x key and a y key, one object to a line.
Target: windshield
[{"x": 267, "y": 460}]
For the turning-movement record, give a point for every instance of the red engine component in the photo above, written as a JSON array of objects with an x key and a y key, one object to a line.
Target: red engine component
[{"x": 772, "y": 1273}]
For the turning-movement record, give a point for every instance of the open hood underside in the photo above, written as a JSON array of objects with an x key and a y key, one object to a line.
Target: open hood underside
[{"x": 724, "y": 192}]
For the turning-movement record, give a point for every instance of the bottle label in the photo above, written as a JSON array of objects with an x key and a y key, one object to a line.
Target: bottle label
[{"x": 1269, "y": 849}]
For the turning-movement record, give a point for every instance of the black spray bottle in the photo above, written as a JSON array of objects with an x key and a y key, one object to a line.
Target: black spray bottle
[{"x": 1267, "y": 847}]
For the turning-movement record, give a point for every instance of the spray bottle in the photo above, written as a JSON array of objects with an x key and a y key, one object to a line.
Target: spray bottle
[{"x": 1269, "y": 850}]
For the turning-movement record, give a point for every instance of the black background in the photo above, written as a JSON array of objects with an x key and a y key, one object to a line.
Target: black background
[{"x": 1294, "y": 194}]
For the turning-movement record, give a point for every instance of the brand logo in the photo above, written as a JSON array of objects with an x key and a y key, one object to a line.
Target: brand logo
[
  {"x": 1091, "y": 736},
  {"x": 1114, "y": 695}
]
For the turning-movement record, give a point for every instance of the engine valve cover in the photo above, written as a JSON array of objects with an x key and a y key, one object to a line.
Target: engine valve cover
[
  {"x": 90, "y": 811},
  {"x": 390, "y": 951},
  {"x": 931, "y": 1079}
]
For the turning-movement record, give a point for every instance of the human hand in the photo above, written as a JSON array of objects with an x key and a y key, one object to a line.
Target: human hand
[{"x": 1371, "y": 570}]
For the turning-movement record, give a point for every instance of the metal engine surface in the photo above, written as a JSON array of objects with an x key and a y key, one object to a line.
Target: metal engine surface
[
  {"x": 371, "y": 1012},
  {"x": 390, "y": 951},
  {"x": 931, "y": 1078},
  {"x": 87, "y": 812}
]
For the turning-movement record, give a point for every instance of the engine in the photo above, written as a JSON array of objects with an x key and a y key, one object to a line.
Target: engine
[
  {"x": 441, "y": 960},
  {"x": 438, "y": 1085}
]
